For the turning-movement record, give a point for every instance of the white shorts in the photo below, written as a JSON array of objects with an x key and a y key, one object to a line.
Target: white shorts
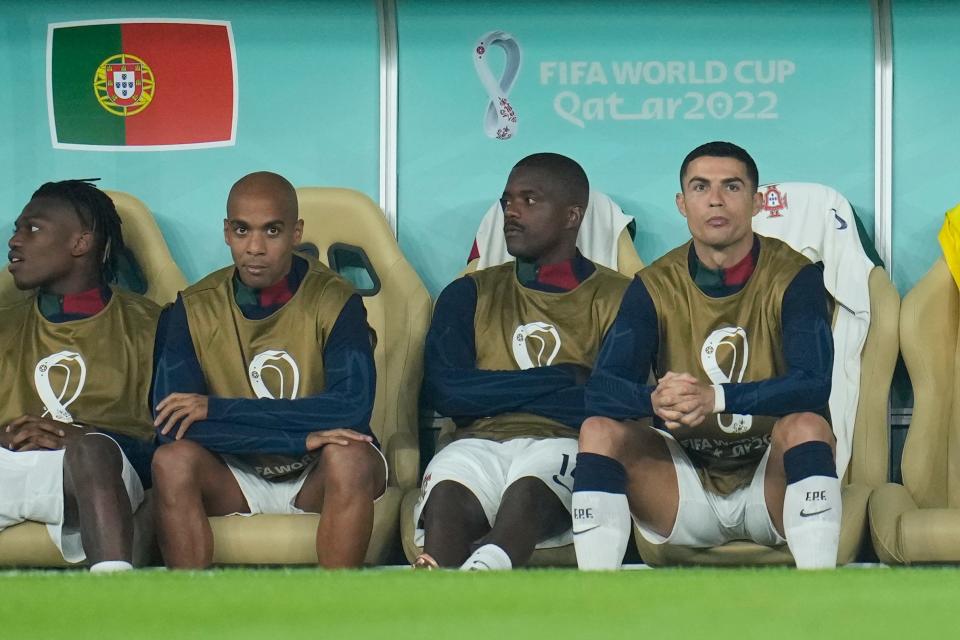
[
  {"x": 31, "y": 488},
  {"x": 487, "y": 468},
  {"x": 264, "y": 496},
  {"x": 708, "y": 519}
]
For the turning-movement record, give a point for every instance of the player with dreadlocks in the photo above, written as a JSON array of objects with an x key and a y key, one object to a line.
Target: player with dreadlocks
[
  {"x": 76, "y": 357},
  {"x": 97, "y": 214}
]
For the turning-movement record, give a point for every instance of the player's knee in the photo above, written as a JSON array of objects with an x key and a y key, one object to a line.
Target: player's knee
[
  {"x": 175, "y": 464},
  {"x": 601, "y": 435},
  {"x": 528, "y": 493},
  {"x": 797, "y": 428},
  {"x": 448, "y": 494},
  {"x": 351, "y": 468},
  {"x": 451, "y": 501},
  {"x": 91, "y": 456}
]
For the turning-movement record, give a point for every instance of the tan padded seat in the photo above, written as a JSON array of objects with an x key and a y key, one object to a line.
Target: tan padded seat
[
  {"x": 919, "y": 521},
  {"x": 628, "y": 263},
  {"x": 28, "y": 544},
  {"x": 399, "y": 313}
]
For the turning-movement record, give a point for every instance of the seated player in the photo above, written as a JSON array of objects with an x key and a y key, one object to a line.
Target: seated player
[
  {"x": 76, "y": 358},
  {"x": 264, "y": 389},
  {"x": 739, "y": 447},
  {"x": 508, "y": 352}
]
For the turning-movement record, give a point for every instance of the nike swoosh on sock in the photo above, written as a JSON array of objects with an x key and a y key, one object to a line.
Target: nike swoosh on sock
[{"x": 591, "y": 528}]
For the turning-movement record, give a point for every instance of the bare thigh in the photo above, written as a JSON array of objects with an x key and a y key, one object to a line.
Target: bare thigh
[{"x": 652, "y": 487}]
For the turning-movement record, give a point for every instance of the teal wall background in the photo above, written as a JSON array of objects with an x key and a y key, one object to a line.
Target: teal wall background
[
  {"x": 308, "y": 108},
  {"x": 308, "y": 91},
  {"x": 450, "y": 171},
  {"x": 926, "y": 131}
]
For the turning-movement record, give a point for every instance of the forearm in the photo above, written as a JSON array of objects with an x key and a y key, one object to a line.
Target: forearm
[
  {"x": 237, "y": 439},
  {"x": 474, "y": 393},
  {"x": 616, "y": 397},
  {"x": 319, "y": 413},
  {"x": 566, "y": 406},
  {"x": 793, "y": 393}
]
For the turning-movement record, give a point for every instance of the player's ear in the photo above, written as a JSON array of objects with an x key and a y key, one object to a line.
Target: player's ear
[
  {"x": 681, "y": 204},
  {"x": 82, "y": 243},
  {"x": 226, "y": 231},
  {"x": 298, "y": 232},
  {"x": 575, "y": 216},
  {"x": 757, "y": 202}
]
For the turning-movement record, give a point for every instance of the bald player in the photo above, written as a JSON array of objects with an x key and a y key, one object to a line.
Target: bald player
[
  {"x": 507, "y": 355},
  {"x": 264, "y": 389},
  {"x": 75, "y": 358},
  {"x": 733, "y": 441}
]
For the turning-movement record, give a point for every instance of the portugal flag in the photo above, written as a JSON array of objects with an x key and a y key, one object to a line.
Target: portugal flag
[{"x": 141, "y": 84}]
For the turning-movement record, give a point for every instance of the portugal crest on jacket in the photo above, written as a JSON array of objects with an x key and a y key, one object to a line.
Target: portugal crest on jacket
[
  {"x": 124, "y": 85},
  {"x": 774, "y": 201}
]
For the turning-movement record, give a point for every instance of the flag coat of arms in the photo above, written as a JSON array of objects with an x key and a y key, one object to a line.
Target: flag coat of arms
[{"x": 141, "y": 85}]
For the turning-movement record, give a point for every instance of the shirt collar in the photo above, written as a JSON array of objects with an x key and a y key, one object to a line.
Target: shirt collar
[
  {"x": 556, "y": 277},
  {"x": 276, "y": 295},
  {"x": 73, "y": 306},
  {"x": 723, "y": 282}
]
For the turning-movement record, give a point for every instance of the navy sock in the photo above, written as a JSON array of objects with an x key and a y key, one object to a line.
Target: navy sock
[
  {"x": 804, "y": 460},
  {"x": 599, "y": 473}
]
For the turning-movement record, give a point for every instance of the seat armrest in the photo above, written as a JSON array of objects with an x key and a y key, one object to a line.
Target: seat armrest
[
  {"x": 403, "y": 457},
  {"x": 887, "y": 505}
]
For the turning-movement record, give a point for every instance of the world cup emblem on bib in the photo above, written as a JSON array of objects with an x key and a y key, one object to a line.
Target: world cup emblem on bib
[
  {"x": 535, "y": 345},
  {"x": 500, "y": 119},
  {"x": 724, "y": 356},
  {"x": 59, "y": 379},
  {"x": 274, "y": 374}
]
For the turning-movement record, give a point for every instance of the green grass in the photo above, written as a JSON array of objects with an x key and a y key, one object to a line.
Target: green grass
[{"x": 768, "y": 604}]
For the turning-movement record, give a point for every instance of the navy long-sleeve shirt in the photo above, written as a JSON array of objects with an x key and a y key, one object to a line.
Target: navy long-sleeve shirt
[
  {"x": 272, "y": 426},
  {"x": 454, "y": 385},
  {"x": 618, "y": 387}
]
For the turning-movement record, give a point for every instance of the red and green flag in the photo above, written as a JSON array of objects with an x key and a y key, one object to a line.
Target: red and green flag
[{"x": 136, "y": 84}]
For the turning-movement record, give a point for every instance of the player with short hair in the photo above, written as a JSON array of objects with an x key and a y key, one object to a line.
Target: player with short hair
[
  {"x": 507, "y": 354},
  {"x": 264, "y": 389},
  {"x": 733, "y": 441},
  {"x": 76, "y": 434}
]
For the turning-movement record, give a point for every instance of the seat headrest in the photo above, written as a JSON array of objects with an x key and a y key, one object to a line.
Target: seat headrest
[
  {"x": 335, "y": 216},
  {"x": 603, "y": 222}
]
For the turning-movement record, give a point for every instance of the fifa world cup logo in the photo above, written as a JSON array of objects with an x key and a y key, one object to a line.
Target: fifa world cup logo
[
  {"x": 535, "y": 345},
  {"x": 274, "y": 374},
  {"x": 59, "y": 379},
  {"x": 724, "y": 356},
  {"x": 499, "y": 119}
]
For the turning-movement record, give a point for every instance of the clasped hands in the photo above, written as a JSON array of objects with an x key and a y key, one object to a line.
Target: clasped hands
[
  {"x": 681, "y": 400},
  {"x": 38, "y": 433}
]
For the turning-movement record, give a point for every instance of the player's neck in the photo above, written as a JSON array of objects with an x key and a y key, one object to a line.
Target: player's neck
[
  {"x": 557, "y": 255},
  {"x": 79, "y": 281},
  {"x": 723, "y": 257},
  {"x": 73, "y": 306}
]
